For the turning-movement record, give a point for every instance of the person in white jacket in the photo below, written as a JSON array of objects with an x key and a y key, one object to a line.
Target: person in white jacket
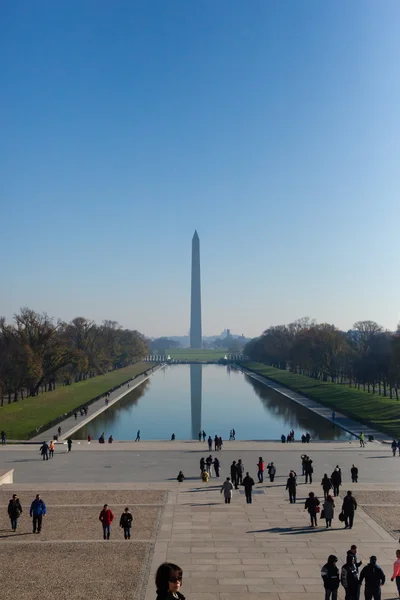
[{"x": 227, "y": 488}]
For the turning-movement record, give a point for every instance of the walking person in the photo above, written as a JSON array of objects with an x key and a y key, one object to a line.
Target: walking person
[
  {"x": 328, "y": 510},
  {"x": 204, "y": 435},
  {"x": 59, "y": 431},
  {"x": 217, "y": 465},
  {"x": 227, "y": 489},
  {"x": 234, "y": 474},
  {"x": 199, "y": 436},
  {"x": 312, "y": 505},
  {"x": 37, "y": 511},
  {"x": 216, "y": 443},
  {"x": 349, "y": 579},
  {"x": 14, "y": 511},
  {"x": 291, "y": 486},
  {"x": 202, "y": 465},
  {"x": 248, "y": 483},
  {"x": 106, "y": 517},
  {"x": 209, "y": 443},
  {"x": 180, "y": 477},
  {"x": 51, "y": 449},
  {"x": 326, "y": 485},
  {"x": 354, "y": 474},
  {"x": 69, "y": 444},
  {"x": 309, "y": 470},
  {"x": 138, "y": 436},
  {"x": 168, "y": 582},
  {"x": 240, "y": 471},
  {"x": 44, "y": 451},
  {"x": 209, "y": 462},
  {"x": 233, "y": 434},
  {"x": 394, "y": 447},
  {"x": 330, "y": 577},
  {"x": 336, "y": 479},
  {"x": 3, "y": 438},
  {"x": 349, "y": 506},
  {"x": 396, "y": 571},
  {"x": 362, "y": 440},
  {"x": 125, "y": 522},
  {"x": 374, "y": 579},
  {"x": 261, "y": 468},
  {"x": 304, "y": 459},
  {"x": 271, "y": 471}
]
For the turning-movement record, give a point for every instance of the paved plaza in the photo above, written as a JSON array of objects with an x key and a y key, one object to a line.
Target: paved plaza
[{"x": 265, "y": 550}]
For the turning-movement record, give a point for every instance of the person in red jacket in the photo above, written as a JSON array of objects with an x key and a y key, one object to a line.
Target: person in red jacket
[{"x": 106, "y": 517}]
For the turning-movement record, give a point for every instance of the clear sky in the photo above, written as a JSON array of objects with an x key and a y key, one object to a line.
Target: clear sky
[{"x": 273, "y": 128}]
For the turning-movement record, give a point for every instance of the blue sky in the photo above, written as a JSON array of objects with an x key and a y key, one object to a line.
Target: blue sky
[{"x": 273, "y": 128}]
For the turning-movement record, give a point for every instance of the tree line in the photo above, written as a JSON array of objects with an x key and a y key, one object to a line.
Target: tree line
[
  {"x": 36, "y": 352},
  {"x": 365, "y": 357}
]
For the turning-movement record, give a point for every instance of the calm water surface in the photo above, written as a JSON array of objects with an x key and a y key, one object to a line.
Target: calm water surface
[{"x": 184, "y": 399}]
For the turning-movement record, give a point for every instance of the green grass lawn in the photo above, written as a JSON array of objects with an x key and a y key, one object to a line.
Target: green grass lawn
[
  {"x": 20, "y": 419},
  {"x": 195, "y": 354},
  {"x": 379, "y": 412}
]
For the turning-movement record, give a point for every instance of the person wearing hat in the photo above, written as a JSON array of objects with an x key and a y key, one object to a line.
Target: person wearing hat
[
  {"x": 374, "y": 579},
  {"x": 330, "y": 577}
]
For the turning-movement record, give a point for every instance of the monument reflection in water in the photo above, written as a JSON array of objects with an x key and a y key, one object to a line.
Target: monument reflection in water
[{"x": 196, "y": 382}]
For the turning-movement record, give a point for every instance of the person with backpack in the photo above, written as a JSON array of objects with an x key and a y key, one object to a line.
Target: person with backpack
[
  {"x": 14, "y": 511},
  {"x": 374, "y": 579},
  {"x": 349, "y": 506},
  {"x": 330, "y": 577},
  {"x": 312, "y": 505},
  {"x": 126, "y": 523},
  {"x": 326, "y": 485},
  {"x": 291, "y": 486},
  {"x": 106, "y": 517}
]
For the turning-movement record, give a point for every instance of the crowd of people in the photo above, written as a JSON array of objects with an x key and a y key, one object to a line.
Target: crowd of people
[{"x": 169, "y": 578}]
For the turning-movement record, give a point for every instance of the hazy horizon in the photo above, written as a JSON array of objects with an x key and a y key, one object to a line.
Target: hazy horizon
[{"x": 272, "y": 129}]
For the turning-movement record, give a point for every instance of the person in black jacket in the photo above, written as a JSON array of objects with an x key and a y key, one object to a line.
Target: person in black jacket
[
  {"x": 336, "y": 479},
  {"x": 349, "y": 579},
  {"x": 168, "y": 582},
  {"x": 308, "y": 470},
  {"x": 126, "y": 523},
  {"x": 326, "y": 485},
  {"x": 311, "y": 505},
  {"x": 234, "y": 478},
  {"x": 248, "y": 483},
  {"x": 14, "y": 511},
  {"x": 374, "y": 579},
  {"x": 330, "y": 576},
  {"x": 291, "y": 487},
  {"x": 354, "y": 474},
  {"x": 348, "y": 507}
]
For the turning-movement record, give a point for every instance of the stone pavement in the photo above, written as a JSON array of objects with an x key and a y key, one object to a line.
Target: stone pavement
[
  {"x": 262, "y": 551},
  {"x": 340, "y": 419},
  {"x": 70, "y": 425}
]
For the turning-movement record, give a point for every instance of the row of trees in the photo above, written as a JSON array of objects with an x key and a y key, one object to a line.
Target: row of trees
[
  {"x": 36, "y": 352},
  {"x": 366, "y": 356}
]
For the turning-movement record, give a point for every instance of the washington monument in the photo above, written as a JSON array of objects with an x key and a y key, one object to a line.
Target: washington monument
[{"x": 195, "y": 304}]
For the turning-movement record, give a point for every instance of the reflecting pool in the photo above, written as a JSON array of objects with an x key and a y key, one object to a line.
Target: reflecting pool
[{"x": 185, "y": 399}]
